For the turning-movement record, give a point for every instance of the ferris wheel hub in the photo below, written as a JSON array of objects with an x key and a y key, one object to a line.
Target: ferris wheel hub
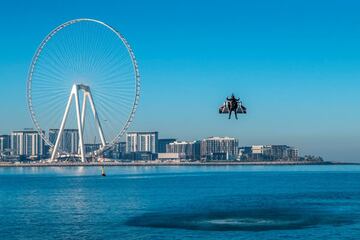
[{"x": 82, "y": 87}]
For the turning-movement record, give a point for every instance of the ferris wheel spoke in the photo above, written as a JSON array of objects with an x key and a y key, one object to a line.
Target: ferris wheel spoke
[
  {"x": 110, "y": 59},
  {"x": 126, "y": 78},
  {"x": 83, "y": 52}
]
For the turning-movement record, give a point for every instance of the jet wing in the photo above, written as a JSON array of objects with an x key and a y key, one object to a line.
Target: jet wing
[{"x": 223, "y": 109}]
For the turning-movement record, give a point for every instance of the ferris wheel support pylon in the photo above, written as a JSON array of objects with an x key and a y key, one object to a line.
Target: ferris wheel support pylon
[{"x": 80, "y": 119}]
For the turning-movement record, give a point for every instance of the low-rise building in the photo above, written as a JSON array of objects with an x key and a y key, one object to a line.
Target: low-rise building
[
  {"x": 69, "y": 141},
  {"x": 169, "y": 156},
  {"x": 119, "y": 151},
  {"x": 162, "y": 144},
  {"x": 219, "y": 148},
  {"x": 91, "y": 147},
  {"x": 141, "y": 156},
  {"x": 269, "y": 153},
  {"x": 186, "y": 150},
  {"x": 5, "y": 143}
]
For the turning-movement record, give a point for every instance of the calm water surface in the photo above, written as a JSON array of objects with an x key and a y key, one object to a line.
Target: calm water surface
[{"x": 237, "y": 202}]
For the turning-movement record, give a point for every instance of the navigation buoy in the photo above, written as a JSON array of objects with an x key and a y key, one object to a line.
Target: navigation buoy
[{"x": 103, "y": 171}]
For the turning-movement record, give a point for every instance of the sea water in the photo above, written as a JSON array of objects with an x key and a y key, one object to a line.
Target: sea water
[{"x": 181, "y": 202}]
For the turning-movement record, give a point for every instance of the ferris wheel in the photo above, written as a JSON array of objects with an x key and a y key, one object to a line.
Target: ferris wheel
[{"x": 83, "y": 87}]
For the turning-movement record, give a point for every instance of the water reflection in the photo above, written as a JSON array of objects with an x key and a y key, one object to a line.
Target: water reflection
[{"x": 241, "y": 220}]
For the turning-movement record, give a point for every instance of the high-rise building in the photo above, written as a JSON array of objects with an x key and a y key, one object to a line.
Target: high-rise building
[
  {"x": 142, "y": 142},
  {"x": 5, "y": 142},
  {"x": 162, "y": 144},
  {"x": 69, "y": 141},
  {"x": 186, "y": 150},
  {"x": 219, "y": 148},
  {"x": 27, "y": 143}
]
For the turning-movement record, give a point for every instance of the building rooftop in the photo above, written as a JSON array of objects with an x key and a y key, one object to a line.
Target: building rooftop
[
  {"x": 142, "y": 132},
  {"x": 25, "y": 131},
  {"x": 182, "y": 142},
  {"x": 219, "y": 138},
  {"x": 65, "y": 129}
]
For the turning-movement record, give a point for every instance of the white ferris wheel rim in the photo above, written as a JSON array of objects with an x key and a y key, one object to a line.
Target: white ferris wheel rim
[{"x": 36, "y": 56}]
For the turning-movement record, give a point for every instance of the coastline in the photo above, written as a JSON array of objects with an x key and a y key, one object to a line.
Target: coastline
[{"x": 154, "y": 164}]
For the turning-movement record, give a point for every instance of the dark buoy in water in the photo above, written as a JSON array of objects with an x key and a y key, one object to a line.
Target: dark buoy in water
[{"x": 103, "y": 172}]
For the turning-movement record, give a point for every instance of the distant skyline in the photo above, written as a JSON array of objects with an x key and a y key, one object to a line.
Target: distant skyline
[{"x": 294, "y": 64}]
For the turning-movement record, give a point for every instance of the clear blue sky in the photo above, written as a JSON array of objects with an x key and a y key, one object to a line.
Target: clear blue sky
[{"x": 295, "y": 64}]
